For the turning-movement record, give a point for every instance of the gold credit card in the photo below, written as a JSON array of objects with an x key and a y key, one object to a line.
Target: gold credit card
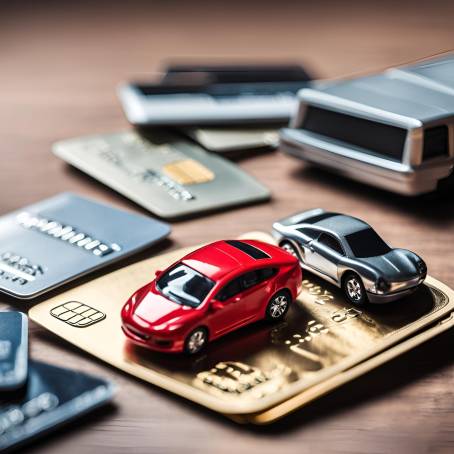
[
  {"x": 314, "y": 392},
  {"x": 257, "y": 367}
]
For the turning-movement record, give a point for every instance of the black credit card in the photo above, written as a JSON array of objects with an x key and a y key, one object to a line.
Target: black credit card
[
  {"x": 53, "y": 396},
  {"x": 236, "y": 73},
  {"x": 13, "y": 350}
]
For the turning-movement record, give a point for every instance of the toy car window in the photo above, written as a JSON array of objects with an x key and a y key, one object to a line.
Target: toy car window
[
  {"x": 183, "y": 285},
  {"x": 249, "y": 279},
  {"x": 311, "y": 233},
  {"x": 266, "y": 273},
  {"x": 367, "y": 243},
  {"x": 331, "y": 242},
  {"x": 231, "y": 289}
]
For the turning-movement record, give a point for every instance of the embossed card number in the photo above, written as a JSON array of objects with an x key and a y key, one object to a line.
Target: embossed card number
[{"x": 237, "y": 378}]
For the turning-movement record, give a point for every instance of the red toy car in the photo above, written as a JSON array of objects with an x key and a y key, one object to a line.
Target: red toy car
[{"x": 211, "y": 292}]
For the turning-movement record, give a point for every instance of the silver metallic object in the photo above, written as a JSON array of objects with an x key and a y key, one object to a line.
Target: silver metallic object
[
  {"x": 394, "y": 130},
  {"x": 347, "y": 252}
]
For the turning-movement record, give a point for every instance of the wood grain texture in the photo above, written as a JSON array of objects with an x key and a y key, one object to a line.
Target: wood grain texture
[{"x": 60, "y": 64}]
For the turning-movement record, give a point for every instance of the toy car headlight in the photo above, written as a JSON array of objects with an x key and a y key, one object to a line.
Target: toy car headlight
[
  {"x": 381, "y": 286},
  {"x": 421, "y": 266},
  {"x": 167, "y": 327},
  {"x": 138, "y": 296},
  {"x": 127, "y": 308},
  {"x": 175, "y": 327}
]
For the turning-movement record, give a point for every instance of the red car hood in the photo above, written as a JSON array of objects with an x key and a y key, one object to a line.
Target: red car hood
[{"x": 156, "y": 309}]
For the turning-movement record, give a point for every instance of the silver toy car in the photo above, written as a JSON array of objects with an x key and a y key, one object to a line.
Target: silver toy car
[
  {"x": 348, "y": 253},
  {"x": 394, "y": 130}
]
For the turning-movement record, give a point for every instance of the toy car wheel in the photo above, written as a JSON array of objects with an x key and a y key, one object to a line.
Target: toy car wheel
[
  {"x": 278, "y": 306},
  {"x": 288, "y": 247},
  {"x": 196, "y": 341},
  {"x": 354, "y": 290}
]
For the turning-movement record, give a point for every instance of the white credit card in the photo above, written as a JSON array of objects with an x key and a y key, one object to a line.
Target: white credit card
[
  {"x": 168, "y": 175},
  {"x": 230, "y": 140}
]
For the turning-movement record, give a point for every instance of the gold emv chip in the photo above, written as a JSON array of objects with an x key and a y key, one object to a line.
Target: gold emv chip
[
  {"x": 77, "y": 314},
  {"x": 188, "y": 171}
]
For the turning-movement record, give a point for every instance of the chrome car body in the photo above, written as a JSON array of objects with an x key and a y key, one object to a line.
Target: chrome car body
[
  {"x": 347, "y": 252},
  {"x": 394, "y": 130}
]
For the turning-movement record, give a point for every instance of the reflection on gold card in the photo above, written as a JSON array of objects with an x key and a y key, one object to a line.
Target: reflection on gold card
[
  {"x": 261, "y": 365},
  {"x": 314, "y": 392}
]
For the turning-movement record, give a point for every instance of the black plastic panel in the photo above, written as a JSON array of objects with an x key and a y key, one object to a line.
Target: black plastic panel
[
  {"x": 435, "y": 142},
  {"x": 376, "y": 138},
  {"x": 248, "y": 249}
]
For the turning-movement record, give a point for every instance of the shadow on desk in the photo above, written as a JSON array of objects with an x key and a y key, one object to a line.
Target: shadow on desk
[
  {"x": 434, "y": 208},
  {"x": 72, "y": 429}
]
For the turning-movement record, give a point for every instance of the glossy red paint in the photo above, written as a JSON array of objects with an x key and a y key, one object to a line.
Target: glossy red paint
[{"x": 154, "y": 320}]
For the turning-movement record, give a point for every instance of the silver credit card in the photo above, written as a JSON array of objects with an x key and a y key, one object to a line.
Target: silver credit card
[
  {"x": 56, "y": 240},
  {"x": 167, "y": 175},
  {"x": 212, "y": 104}
]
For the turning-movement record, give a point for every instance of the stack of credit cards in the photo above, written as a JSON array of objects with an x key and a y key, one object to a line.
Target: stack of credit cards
[
  {"x": 164, "y": 173},
  {"x": 36, "y": 398},
  {"x": 231, "y": 94},
  {"x": 59, "y": 239},
  {"x": 264, "y": 371},
  {"x": 225, "y": 108}
]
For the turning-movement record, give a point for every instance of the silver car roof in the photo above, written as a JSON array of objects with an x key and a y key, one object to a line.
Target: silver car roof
[
  {"x": 424, "y": 92},
  {"x": 435, "y": 73},
  {"x": 342, "y": 224}
]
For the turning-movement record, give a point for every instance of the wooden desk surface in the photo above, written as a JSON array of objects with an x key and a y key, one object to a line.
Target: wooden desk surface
[{"x": 60, "y": 65}]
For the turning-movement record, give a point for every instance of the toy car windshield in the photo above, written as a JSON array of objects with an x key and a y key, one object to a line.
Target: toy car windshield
[
  {"x": 183, "y": 285},
  {"x": 367, "y": 243}
]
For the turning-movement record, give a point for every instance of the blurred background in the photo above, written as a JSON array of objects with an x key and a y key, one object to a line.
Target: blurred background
[
  {"x": 62, "y": 61},
  {"x": 81, "y": 50}
]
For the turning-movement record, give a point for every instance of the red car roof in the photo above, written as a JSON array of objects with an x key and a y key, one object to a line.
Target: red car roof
[{"x": 222, "y": 257}]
